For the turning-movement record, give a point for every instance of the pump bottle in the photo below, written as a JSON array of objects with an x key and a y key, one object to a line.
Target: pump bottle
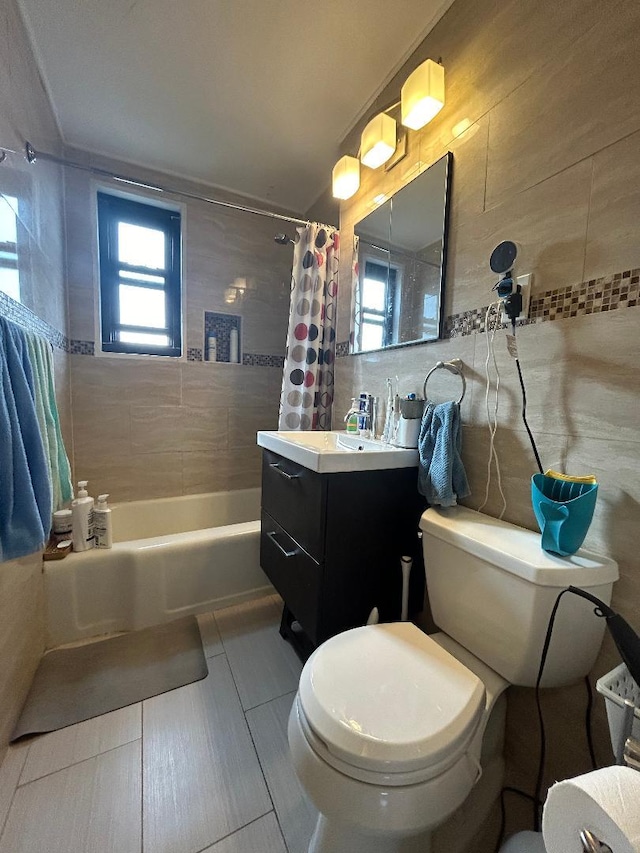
[
  {"x": 102, "y": 523},
  {"x": 82, "y": 519}
]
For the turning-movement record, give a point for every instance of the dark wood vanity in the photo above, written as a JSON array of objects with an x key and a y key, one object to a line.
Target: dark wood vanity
[{"x": 331, "y": 545}]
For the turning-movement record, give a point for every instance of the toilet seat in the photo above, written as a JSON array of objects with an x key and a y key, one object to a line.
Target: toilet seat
[{"x": 386, "y": 701}]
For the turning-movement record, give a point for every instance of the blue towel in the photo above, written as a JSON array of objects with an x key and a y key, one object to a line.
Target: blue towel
[
  {"x": 441, "y": 475},
  {"x": 25, "y": 493},
  {"x": 49, "y": 420}
]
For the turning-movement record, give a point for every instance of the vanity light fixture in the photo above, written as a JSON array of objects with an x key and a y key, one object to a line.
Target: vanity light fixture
[
  {"x": 378, "y": 141},
  {"x": 422, "y": 96},
  {"x": 346, "y": 177}
]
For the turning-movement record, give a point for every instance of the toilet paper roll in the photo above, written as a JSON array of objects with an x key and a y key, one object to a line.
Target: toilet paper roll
[{"x": 606, "y": 802}]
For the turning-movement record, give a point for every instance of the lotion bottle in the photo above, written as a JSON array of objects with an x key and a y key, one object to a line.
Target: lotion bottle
[
  {"x": 82, "y": 519},
  {"x": 212, "y": 348},
  {"x": 102, "y": 523},
  {"x": 234, "y": 352}
]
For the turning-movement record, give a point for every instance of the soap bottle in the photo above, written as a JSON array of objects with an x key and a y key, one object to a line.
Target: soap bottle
[
  {"x": 102, "y": 523},
  {"x": 352, "y": 419},
  {"x": 82, "y": 519}
]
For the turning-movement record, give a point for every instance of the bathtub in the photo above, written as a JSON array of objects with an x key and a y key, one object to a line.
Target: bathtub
[{"x": 171, "y": 557}]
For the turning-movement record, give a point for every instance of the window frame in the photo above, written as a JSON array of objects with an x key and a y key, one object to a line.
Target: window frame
[
  {"x": 377, "y": 270},
  {"x": 112, "y": 209},
  {"x": 9, "y": 259}
]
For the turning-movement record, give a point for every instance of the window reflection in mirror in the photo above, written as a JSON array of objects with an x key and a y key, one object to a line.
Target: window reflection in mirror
[
  {"x": 399, "y": 264},
  {"x": 9, "y": 274}
]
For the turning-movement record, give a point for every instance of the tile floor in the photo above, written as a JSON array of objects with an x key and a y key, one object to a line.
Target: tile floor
[{"x": 202, "y": 769}]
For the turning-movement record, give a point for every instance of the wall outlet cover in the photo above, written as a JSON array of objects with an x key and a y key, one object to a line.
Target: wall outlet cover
[{"x": 525, "y": 282}]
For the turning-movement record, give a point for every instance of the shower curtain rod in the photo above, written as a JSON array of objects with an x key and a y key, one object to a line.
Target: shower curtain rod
[{"x": 32, "y": 156}]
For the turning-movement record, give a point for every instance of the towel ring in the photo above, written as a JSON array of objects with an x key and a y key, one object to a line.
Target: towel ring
[{"x": 453, "y": 366}]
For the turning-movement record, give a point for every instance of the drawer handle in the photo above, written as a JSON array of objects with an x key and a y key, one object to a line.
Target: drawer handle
[
  {"x": 286, "y": 553},
  {"x": 276, "y": 467}
]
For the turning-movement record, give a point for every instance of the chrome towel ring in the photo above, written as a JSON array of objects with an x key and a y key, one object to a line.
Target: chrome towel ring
[{"x": 453, "y": 366}]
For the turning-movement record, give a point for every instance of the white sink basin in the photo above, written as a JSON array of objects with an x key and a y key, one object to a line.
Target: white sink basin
[{"x": 336, "y": 451}]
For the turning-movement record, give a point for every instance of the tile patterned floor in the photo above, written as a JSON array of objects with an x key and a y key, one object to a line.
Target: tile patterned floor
[{"x": 202, "y": 769}]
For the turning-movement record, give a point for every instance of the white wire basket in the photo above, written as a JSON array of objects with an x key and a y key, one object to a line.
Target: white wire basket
[{"x": 616, "y": 686}]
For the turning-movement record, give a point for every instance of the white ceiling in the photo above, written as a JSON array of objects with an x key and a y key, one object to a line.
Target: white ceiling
[{"x": 250, "y": 95}]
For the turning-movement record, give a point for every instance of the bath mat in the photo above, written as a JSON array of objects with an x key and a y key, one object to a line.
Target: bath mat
[{"x": 75, "y": 684}]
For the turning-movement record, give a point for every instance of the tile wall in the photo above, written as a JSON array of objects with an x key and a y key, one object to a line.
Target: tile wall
[
  {"x": 146, "y": 427},
  {"x": 551, "y": 160},
  {"x": 25, "y": 113}
]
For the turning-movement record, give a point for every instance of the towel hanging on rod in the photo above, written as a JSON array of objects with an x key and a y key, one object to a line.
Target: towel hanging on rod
[
  {"x": 25, "y": 489},
  {"x": 41, "y": 356}
]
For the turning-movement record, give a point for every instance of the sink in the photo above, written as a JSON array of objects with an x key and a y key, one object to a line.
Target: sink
[{"x": 336, "y": 451}]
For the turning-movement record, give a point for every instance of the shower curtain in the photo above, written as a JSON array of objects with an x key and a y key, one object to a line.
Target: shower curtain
[{"x": 307, "y": 384}]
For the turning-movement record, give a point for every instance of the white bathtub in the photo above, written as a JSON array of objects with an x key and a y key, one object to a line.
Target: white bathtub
[{"x": 171, "y": 557}]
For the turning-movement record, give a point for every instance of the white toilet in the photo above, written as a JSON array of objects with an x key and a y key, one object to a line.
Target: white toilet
[{"x": 392, "y": 731}]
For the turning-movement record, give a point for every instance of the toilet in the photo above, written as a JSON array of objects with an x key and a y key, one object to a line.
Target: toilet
[{"x": 395, "y": 735}]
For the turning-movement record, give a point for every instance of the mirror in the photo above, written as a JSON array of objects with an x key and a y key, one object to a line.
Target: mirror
[{"x": 399, "y": 265}]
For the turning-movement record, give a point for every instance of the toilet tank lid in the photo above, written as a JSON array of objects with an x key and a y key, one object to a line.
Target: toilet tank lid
[{"x": 516, "y": 549}]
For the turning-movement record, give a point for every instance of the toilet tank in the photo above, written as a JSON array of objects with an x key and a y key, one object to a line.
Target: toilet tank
[{"x": 492, "y": 588}]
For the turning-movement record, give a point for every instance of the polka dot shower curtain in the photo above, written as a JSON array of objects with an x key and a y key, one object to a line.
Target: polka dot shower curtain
[{"x": 307, "y": 384}]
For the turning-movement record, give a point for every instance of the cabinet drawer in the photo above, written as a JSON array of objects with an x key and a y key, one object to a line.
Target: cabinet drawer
[
  {"x": 295, "y": 498},
  {"x": 294, "y": 574}
]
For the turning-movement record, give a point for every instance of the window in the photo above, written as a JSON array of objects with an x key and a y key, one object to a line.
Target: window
[
  {"x": 378, "y": 289},
  {"x": 139, "y": 277},
  {"x": 9, "y": 274}
]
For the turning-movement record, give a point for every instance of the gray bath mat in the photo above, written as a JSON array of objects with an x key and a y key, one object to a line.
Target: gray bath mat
[{"x": 72, "y": 685}]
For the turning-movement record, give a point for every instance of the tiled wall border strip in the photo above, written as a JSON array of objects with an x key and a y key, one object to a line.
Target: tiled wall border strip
[
  {"x": 618, "y": 290},
  {"x": 253, "y": 359},
  {"x": 23, "y": 316}
]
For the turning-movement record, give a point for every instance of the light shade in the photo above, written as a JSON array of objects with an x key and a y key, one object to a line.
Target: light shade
[
  {"x": 346, "y": 177},
  {"x": 378, "y": 141},
  {"x": 422, "y": 95}
]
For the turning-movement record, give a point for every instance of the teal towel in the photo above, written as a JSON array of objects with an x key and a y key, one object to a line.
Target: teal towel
[
  {"x": 25, "y": 492},
  {"x": 441, "y": 475},
  {"x": 49, "y": 419}
]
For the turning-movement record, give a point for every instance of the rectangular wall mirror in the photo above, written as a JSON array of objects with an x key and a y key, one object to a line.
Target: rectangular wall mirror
[{"x": 399, "y": 268}]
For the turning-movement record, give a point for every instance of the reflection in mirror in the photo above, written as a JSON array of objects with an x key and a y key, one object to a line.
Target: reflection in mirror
[
  {"x": 399, "y": 264},
  {"x": 17, "y": 241},
  {"x": 9, "y": 272}
]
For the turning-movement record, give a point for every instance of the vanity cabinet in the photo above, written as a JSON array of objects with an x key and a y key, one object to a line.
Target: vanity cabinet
[{"x": 331, "y": 544}]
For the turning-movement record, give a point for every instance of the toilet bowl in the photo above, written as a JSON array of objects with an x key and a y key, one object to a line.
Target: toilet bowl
[
  {"x": 385, "y": 734},
  {"x": 387, "y": 730}
]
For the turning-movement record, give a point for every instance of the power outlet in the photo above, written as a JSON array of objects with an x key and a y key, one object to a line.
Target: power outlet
[{"x": 525, "y": 282}]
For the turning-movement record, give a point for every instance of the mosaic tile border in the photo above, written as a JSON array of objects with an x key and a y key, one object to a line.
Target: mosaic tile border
[
  {"x": 249, "y": 359},
  {"x": 81, "y": 347},
  {"x": 620, "y": 290},
  {"x": 598, "y": 295},
  {"x": 257, "y": 359},
  {"x": 607, "y": 293},
  {"x": 23, "y": 316}
]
